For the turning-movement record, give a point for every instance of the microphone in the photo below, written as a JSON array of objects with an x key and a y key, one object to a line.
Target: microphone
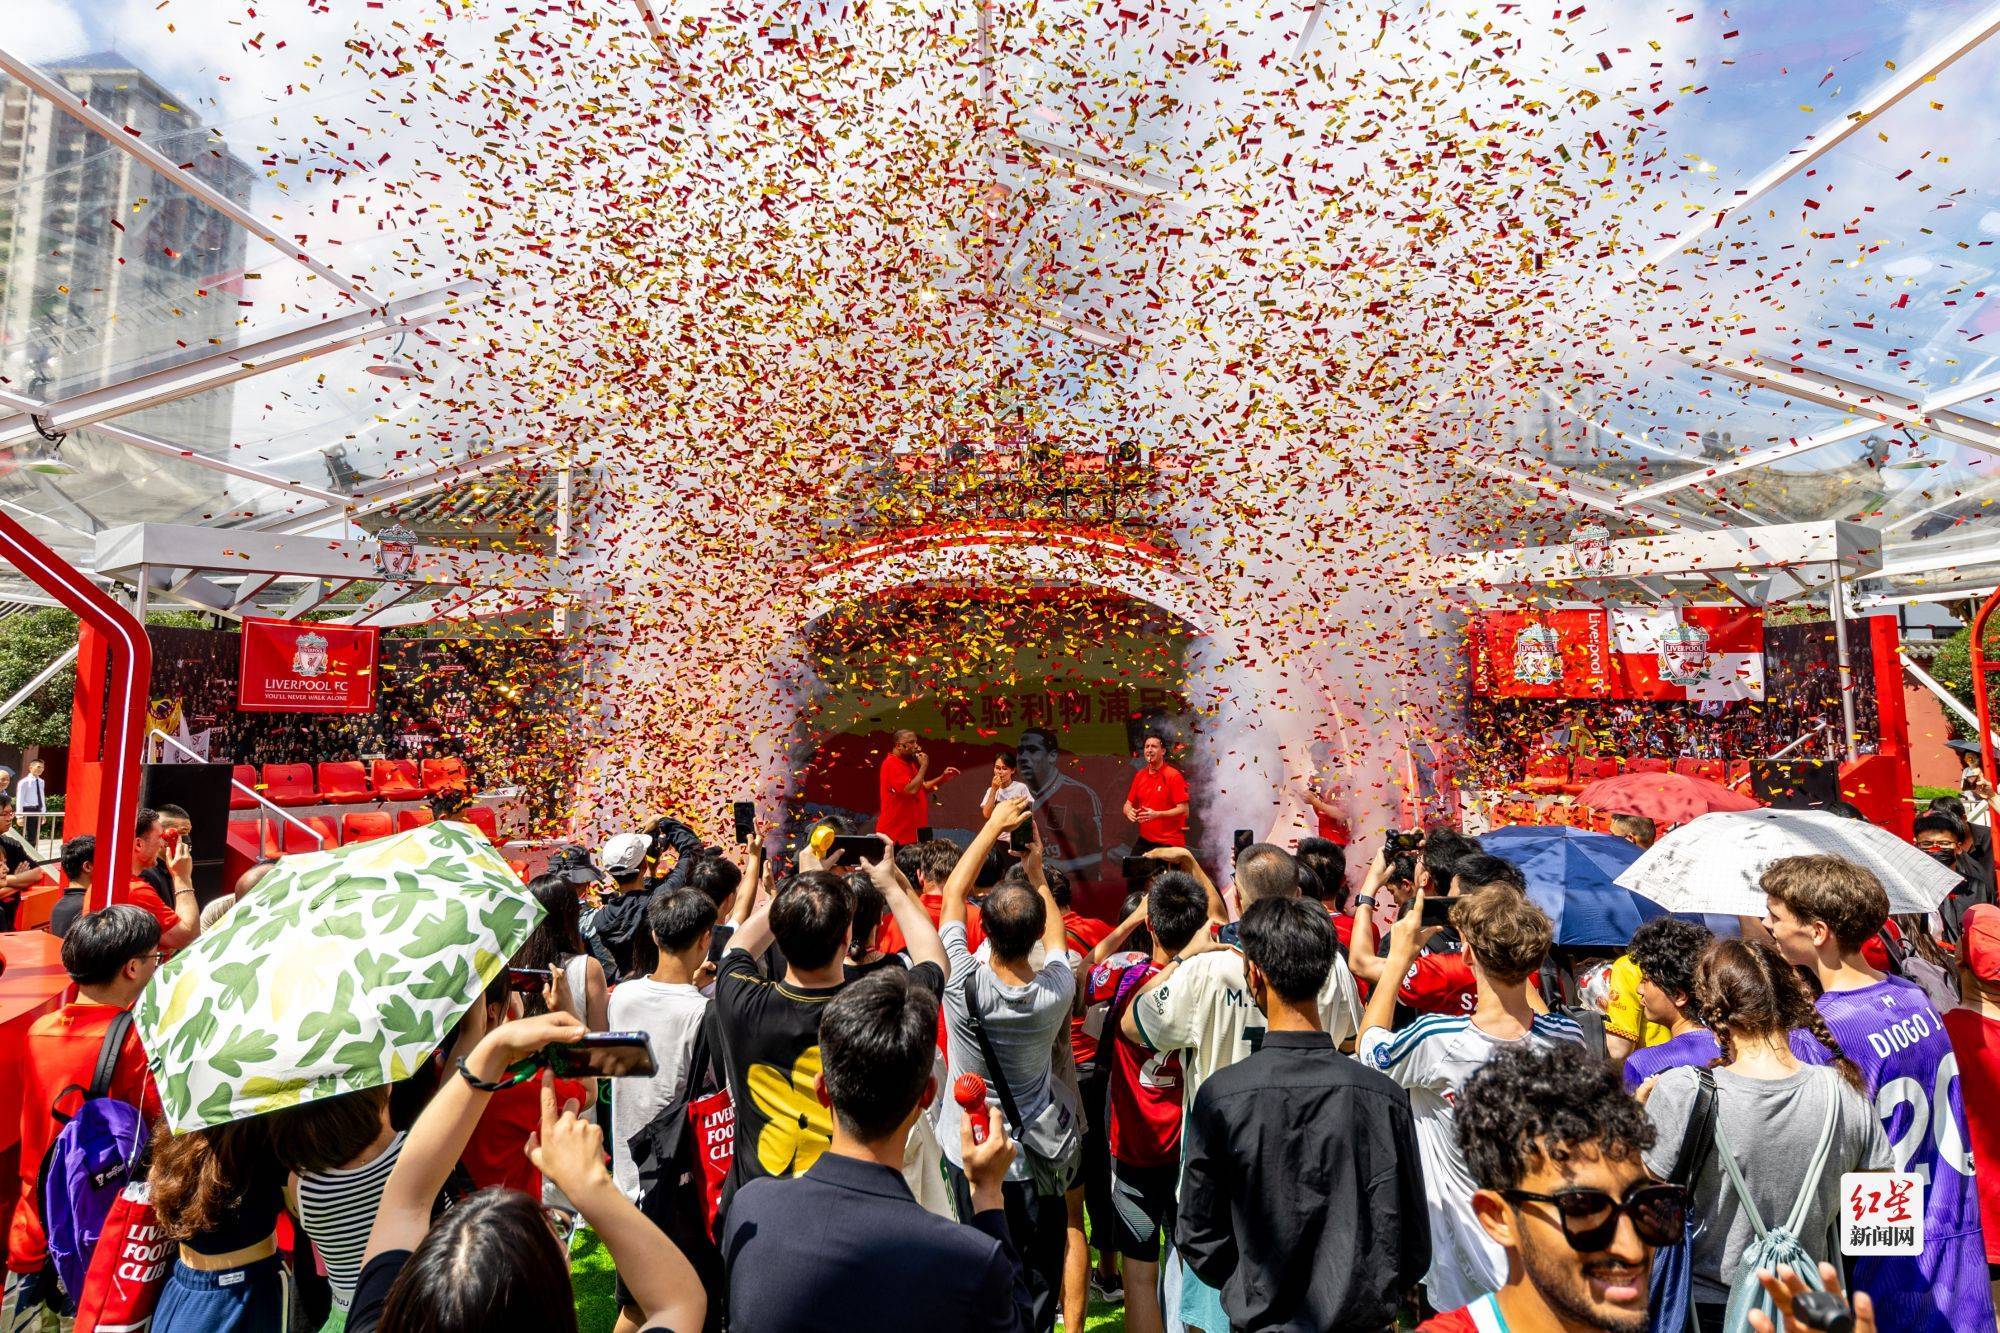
[{"x": 969, "y": 1091}]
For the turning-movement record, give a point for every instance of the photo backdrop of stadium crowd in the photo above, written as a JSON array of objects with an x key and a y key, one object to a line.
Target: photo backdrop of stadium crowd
[
  {"x": 491, "y": 702},
  {"x": 1801, "y": 696}
]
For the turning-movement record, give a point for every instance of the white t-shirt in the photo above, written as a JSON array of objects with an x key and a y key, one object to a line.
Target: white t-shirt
[
  {"x": 1205, "y": 1011},
  {"x": 1433, "y": 1058},
  {"x": 670, "y": 1014},
  {"x": 1006, "y": 793}
]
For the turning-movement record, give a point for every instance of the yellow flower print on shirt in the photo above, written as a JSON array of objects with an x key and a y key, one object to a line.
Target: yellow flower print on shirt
[{"x": 797, "y": 1129}]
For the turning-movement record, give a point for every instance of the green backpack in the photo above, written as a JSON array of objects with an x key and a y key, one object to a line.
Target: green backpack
[{"x": 1779, "y": 1247}]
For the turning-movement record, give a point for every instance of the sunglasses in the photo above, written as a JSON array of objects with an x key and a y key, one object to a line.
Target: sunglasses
[{"x": 1590, "y": 1217}]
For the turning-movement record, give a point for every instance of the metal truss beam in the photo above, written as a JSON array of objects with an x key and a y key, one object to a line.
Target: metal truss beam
[
  {"x": 1906, "y": 80},
  {"x": 1872, "y": 407},
  {"x": 152, "y": 444},
  {"x": 232, "y": 552},
  {"x": 404, "y": 490},
  {"x": 1808, "y": 554},
  {"x": 227, "y": 367},
  {"x": 129, "y": 143},
  {"x": 1590, "y": 499}
]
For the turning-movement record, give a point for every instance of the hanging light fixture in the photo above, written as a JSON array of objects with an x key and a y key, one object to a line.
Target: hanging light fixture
[{"x": 394, "y": 367}]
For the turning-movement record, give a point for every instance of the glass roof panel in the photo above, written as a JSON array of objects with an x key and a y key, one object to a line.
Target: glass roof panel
[
  {"x": 107, "y": 269},
  {"x": 1878, "y": 262},
  {"x": 1741, "y": 83}
]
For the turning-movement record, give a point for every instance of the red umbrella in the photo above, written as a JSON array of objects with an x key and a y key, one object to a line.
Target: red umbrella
[{"x": 1664, "y": 798}]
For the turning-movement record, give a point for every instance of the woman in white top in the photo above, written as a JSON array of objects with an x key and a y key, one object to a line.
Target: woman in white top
[{"x": 1005, "y": 785}]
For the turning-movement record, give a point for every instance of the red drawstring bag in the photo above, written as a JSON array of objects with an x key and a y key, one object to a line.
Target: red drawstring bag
[
  {"x": 713, "y": 1119},
  {"x": 128, "y": 1268}
]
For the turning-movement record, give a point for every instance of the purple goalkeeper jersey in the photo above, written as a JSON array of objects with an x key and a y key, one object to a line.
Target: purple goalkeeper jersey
[{"x": 1894, "y": 1033}]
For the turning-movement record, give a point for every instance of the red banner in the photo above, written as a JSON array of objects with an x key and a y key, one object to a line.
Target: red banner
[
  {"x": 291, "y": 666},
  {"x": 1542, "y": 654}
]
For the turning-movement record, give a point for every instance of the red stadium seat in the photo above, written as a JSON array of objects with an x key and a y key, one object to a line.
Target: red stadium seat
[
  {"x": 361, "y": 825},
  {"x": 1549, "y": 773},
  {"x": 482, "y": 818},
  {"x": 246, "y": 775},
  {"x": 1649, "y": 766},
  {"x": 445, "y": 775},
  {"x": 417, "y": 818},
  {"x": 290, "y": 784},
  {"x": 344, "y": 782},
  {"x": 244, "y": 837},
  {"x": 1712, "y": 770},
  {"x": 398, "y": 780},
  {"x": 1588, "y": 770},
  {"x": 297, "y": 840}
]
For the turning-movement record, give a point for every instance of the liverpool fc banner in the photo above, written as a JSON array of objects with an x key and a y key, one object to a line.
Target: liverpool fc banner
[{"x": 293, "y": 666}]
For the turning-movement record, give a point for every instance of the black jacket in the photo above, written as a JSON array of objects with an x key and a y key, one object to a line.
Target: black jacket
[
  {"x": 1302, "y": 1198},
  {"x": 845, "y": 1247}
]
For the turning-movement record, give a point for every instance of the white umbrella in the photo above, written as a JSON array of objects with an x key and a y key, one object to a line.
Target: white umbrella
[{"x": 1712, "y": 863}]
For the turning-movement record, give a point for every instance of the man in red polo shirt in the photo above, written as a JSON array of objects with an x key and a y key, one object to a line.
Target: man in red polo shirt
[
  {"x": 906, "y": 789},
  {"x": 1158, "y": 801},
  {"x": 110, "y": 955},
  {"x": 180, "y": 923}
]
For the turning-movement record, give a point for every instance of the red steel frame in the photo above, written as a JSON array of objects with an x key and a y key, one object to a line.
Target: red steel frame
[
  {"x": 112, "y": 651},
  {"x": 1980, "y": 668}
]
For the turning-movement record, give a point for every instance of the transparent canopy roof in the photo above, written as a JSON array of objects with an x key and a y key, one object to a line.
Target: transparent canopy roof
[{"x": 1805, "y": 332}]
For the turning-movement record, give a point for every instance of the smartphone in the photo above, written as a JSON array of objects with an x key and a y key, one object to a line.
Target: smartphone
[
  {"x": 862, "y": 849},
  {"x": 926, "y": 833},
  {"x": 1242, "y": 838},
  {"x": 1397, "y": 844},
  {"x": 1437, "y": 911},
  {"x": 745, "y": 815},
  {"x": 529, "y": 980},
  {"x": 603, "y": 1055},
  {"x": 1141, "y": 867},
  {"x": 173, "y": 841}
]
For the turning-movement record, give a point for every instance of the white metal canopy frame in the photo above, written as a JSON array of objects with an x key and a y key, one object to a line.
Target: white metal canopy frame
[
  {"x": 1935, "y": 529},
  {"x": 34, "y": 429}
]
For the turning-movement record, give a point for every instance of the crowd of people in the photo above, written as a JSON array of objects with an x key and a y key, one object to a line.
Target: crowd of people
[{"x": 1297, "y": 1094}]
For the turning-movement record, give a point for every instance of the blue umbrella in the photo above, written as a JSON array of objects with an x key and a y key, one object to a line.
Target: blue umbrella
[{"x": 1571, "y": 875}]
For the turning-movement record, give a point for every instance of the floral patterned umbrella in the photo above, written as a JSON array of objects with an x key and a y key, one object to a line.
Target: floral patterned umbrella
[{"x": 340, "y": 970}]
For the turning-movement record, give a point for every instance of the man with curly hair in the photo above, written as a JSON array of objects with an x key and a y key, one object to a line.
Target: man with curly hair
[
  {"x": 1663, "y": 952},
  {"x": 1557, "y": 1149}
]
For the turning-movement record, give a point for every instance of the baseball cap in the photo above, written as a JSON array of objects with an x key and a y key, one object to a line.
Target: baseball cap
[
  {"x": 574, "y": 865},
  {"x": 1979, "y": 941},
  {"x": 624, "y": 853}
]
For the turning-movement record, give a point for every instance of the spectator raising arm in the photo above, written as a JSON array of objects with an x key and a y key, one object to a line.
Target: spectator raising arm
[
  {"x": 662, "y": 1283},
  {"x": 1362, "y": 960},
  {"x": 187, "y": 908},
  {"x": 1006, "y": 815},
  {"x": 1180, "y": 858},
  {"x": 920, "y": 937},
  {"x": 1408, "y": 935},
  {"x": 1115, "y": 941},
  {"x": 1054, "y": 940}
]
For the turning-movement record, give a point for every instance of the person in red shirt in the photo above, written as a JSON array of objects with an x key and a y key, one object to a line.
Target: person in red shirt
[
  {"x": 1158, "y": 801},
  {"x": 929, "y": 866},
  {"x": 1974, "y": 1029},
  {"x": 1440, "y": 981},
  {"x": 496, "y": 1156},
  {"x": 1143, "y": 1093},
  {"x": 110, "y": 955},
  {"x": 906, "y": 789},
  {"x": 180, "y": 923}
]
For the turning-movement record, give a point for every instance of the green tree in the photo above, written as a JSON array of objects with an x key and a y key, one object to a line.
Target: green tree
[
  {"x": 28, "y": 643},
  {"x": 32, "y": 640}
]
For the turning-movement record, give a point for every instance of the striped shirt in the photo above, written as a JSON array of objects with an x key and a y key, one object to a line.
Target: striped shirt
[
  {"x": 337, "y": 1210},
  {"x": 1433, "y": 1057}
]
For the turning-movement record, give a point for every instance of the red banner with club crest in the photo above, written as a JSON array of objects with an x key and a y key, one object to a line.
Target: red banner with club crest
[{"x": 292, "y": 666}]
